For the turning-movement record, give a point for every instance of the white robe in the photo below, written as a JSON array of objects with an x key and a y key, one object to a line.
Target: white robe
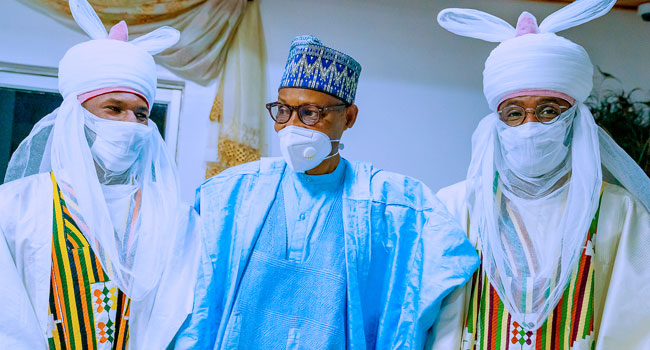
[
  {"x": 621, "y": 280},
  {"x": 25, "y": 265}
]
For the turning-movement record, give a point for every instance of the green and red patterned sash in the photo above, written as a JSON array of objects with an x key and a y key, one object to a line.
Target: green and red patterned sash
[
  {"x": 489, "y": 326},
  {"x": 86, "y": 310}
]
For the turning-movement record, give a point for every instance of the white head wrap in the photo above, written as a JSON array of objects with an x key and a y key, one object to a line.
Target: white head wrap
[
  {"x": 533, "y": 224},
  {"x": 523, "y": 63},
  {"x": 133, "y": 220}
]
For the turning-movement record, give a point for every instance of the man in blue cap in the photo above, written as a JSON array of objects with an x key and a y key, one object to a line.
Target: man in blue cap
[{"x": 311, "y": 251}]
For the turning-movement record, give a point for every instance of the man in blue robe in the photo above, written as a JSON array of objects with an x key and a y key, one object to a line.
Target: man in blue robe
[{"x": 311, "y": 251}]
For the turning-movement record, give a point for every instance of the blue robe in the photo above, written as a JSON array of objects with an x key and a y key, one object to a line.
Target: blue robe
[
  {"x": 404, "y": 253},
  {"x": 307, "y": 201}
]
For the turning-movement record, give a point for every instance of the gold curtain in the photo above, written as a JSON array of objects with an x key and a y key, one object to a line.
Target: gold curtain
[
  {"x": 239, "y": 106},
  {"x": 207, "y": 28}
]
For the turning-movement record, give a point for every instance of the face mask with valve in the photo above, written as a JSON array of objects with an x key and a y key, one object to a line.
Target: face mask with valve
[{"x": 303, "y": 149}]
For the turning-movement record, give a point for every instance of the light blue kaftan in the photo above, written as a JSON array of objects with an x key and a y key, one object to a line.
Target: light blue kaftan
[
  {"x": 403, "y": 253},
  {"x": 289, "y": 304},
  {"x": 307, "y": 200}
]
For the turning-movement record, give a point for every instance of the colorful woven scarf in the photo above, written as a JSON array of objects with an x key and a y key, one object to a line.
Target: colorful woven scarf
[
  {"x": 489, "y": 326},
  {"x": 86, "y": 310}
]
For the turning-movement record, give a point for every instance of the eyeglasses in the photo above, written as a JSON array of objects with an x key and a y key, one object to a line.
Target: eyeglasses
[
  {"x": 546, "y": 113},
  {"x": 309, "y": 114}
]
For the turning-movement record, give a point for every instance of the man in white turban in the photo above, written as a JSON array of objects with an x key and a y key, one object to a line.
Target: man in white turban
[
  {"x": 97, "y": 252},
  {"x": 564, "y": 255}
]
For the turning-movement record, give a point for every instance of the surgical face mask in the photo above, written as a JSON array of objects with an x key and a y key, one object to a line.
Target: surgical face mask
[
  {"x": 303, "y": 149},
  {"x": 117, "y": 145},
  {"x": 535, "y": 149}
]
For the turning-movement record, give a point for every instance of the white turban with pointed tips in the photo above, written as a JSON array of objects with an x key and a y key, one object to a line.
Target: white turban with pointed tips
[
  {"x": 530, "y": 57},
  {"x": 533, "y": 60},
  {"x": 160, "y": 238}
]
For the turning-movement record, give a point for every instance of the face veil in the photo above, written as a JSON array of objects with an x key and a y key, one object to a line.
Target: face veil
[
  {"x": 135, "y": 254},
  {"x": 551, "y": 205}
]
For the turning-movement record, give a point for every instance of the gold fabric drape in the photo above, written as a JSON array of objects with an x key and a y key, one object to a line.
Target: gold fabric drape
[
  {"x": 207, "y": 28},
  {"x": 239, "y": 106}
]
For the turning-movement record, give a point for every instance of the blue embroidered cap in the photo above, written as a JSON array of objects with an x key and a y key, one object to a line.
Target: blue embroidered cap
[{"x": 312, "y": 65}]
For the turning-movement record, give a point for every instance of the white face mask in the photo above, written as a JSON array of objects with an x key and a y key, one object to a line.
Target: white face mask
[
  {"x": 303, "y": 149},
  {"x": 535, "y": 149},
  {"x": 117, "y": 145}
]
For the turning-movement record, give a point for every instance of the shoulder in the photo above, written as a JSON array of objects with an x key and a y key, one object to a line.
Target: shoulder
[
  {"x": 234, "y": 183},
  {"x": 24, "y": 186},
  {"x": 396, "y": 189},
  {"x": 247, "y": 170},
  {"x": 616, "y": 192},
  {"x": 453, "y": 192},
  {"x": 453, "y": 196},
  {"x": 31, "y": 195},
  {"x": 617, "y": 200}
]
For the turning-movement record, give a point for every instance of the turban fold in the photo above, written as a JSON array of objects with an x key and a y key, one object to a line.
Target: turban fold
[
  {"x": 542, "y": 61},
  {"x": 106, "y": 63}
]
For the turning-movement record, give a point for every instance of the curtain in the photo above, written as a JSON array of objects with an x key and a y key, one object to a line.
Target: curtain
[
  {"x": 239, "y": 106},
  {"x": 207, "y": 28}
]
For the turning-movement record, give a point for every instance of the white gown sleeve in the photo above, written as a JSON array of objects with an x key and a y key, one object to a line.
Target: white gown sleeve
[
  {"x": 447, "y": 332},
  {"x": 19, "y": 326},
  {"x": 625, "y": 322},
  {"x": 25, "y": 258}
]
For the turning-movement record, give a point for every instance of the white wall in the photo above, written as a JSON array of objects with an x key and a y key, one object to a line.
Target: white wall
[{"x": 420, "y": 93}]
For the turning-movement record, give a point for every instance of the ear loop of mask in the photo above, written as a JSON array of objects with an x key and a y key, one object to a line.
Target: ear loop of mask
[{"x": 341, "y": 146}]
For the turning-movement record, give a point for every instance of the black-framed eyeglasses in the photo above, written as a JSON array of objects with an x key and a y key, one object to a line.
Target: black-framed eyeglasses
[
  {"x": 309, "y": 114},
  {"x": 545, "y": 113}
]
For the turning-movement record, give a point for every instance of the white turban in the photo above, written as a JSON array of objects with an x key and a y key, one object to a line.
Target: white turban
[
  {"x": 110, "y": 61},
  {"x": 542, "y": 61},
  {"x": 531, "y": 57},
  {"x": 163, "y": 239},
  {"x": 533, "y": 60},
  {"x": 107, "y": 63}
]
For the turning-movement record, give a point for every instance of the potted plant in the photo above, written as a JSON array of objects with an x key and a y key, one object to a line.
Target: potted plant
[{"x": 623, "y": 115}]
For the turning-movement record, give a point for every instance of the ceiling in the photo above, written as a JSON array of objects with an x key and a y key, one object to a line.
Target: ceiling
[{"x": 621, "y": 4}]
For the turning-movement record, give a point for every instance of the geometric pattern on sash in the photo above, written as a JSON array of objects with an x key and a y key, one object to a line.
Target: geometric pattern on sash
[
  {"x": 86, "y": 310},
  {"x": 489, "y": 326}
]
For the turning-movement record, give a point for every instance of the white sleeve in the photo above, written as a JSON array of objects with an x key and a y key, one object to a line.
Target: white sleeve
[
  {"x": 19, "y": 327},
  {"x": 447, "y": 332},
  {"x": 625, "y": 322},
  {"x": 25, "y": 261}
]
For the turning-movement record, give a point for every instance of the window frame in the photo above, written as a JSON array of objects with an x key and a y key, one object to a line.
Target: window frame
[{"x": 40, "y": 78}]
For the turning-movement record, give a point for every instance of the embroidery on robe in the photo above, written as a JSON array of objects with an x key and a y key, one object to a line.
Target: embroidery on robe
[
  {"x": 86, "y": 310},
  {"x": 489, "y": 326}
]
